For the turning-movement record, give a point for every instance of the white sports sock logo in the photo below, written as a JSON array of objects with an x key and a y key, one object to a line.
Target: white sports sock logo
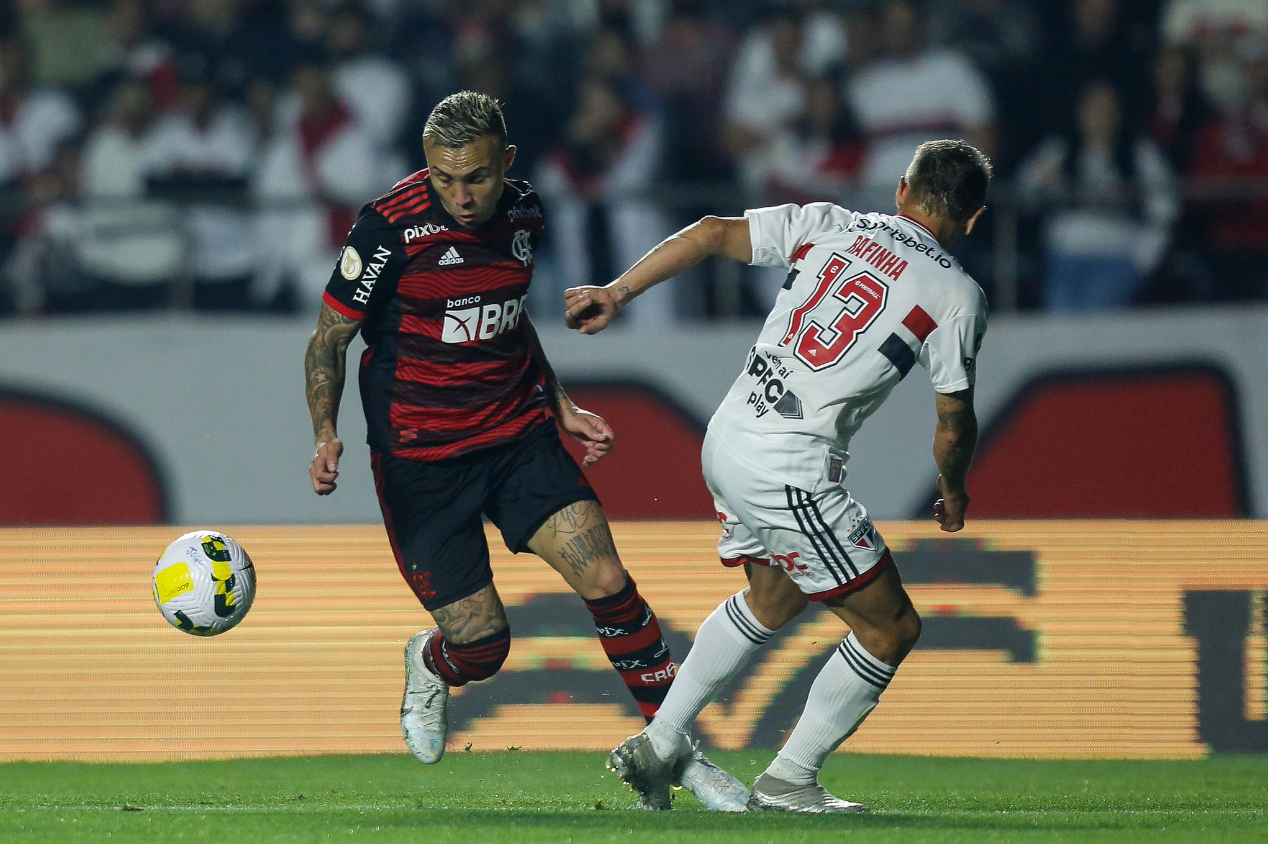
[{"x": 450, "y": 258}]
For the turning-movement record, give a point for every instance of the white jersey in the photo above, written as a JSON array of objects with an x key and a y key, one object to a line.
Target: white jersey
[{"x": 868, "y": 296}]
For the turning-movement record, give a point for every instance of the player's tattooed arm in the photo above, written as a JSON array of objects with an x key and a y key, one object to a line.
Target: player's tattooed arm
[
  {"x": 586, "y": 428},
  {"x": 472, "y": 618},
  {"x": 953, "y": 444},
  {"x": 325, "y": 366},
  {"x": 324, "y": 370}
]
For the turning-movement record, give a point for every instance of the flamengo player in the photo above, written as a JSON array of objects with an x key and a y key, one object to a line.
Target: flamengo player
[
  {"x": 458, "y": 398},
  {"x": 868, "y": 296}
]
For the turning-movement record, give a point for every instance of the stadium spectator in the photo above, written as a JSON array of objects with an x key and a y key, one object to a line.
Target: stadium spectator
[
  {"x": 686, "y": 67},
  {"x": 317, "y": 165},
  {"x": 1196, "y": 21},
  {"x": 1178, "y": 111},
  {"x": 1095, "y": 41},
  {"x": 200, "y": 155},
  {"x": 824, "y": 40},
  {"x": 130, "y": 246},
  {"x": 42, "y": 273},
  {"x": 135, "y": 52},
  {"x": 1231, "y": 157},
  {"x": 766, "y": 91},
  {"x": 375, "y": 88},
  {"x": 1001, "y": 38},
  {"x": 995, "y": 34},
  {"x": 34, "y": 121},
  {"x": 596, "y": 183},
  {"x": 912, "y": 94},
  {"x": 818, "y": 157},
  {"x": 1111, "y": 201}
]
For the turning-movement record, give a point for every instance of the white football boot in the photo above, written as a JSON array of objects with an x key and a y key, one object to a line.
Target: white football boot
[
  {"x": 775, "y": 795},
  {"x": 424, "y": 722},
  {"x": 717, "y": 790},
  {"x": 635, "y": 761}
]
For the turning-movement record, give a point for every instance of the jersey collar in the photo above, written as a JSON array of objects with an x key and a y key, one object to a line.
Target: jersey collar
[{"x": 918, "y": 224}]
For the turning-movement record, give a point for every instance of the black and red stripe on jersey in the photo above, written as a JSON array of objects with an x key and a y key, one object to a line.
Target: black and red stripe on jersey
[{"x": 448, "y": 368}]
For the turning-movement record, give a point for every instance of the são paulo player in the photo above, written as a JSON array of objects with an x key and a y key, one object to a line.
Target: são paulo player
[{"x": 867, "y": 297}]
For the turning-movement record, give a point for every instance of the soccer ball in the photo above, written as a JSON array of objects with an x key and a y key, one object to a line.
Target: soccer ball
[{"x": 204, "y": 583}]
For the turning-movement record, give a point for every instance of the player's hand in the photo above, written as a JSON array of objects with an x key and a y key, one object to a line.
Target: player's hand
[
  {"x": 591, "y": 430},
  {"x": 325, "y": 466},
  {"x": 589, "y": 309},
  {"x": 948, "y": 510}
]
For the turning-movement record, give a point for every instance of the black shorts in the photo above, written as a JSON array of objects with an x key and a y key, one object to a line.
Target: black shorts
[{"x": 433, "y": 510}]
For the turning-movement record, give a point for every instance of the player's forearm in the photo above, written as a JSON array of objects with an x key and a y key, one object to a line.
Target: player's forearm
[
  {"x": 673, "y": 255},
  {"x": 325, "y": 372},
  {"x": 325, "y": 369},
  {"x": 953, "y": 444}
]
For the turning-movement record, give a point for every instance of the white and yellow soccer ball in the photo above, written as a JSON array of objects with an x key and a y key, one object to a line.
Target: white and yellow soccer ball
[{"x": 204, "y": 583}]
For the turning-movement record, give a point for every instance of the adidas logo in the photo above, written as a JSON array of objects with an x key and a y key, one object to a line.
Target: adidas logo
[{"x": 450, "y": 258}]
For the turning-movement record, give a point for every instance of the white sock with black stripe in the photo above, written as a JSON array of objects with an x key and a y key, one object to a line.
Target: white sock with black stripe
[
  {"x": 846, "y": 690},
  {"x": 724, "y": 643}
]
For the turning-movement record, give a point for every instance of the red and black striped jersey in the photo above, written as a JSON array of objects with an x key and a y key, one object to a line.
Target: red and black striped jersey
[{"x": 448, "y": 367}]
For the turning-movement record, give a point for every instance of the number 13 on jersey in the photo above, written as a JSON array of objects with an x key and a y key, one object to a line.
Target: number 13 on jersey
[{"x": 824, "y": 327}]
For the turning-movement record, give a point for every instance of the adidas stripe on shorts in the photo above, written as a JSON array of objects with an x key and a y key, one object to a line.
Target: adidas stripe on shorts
[{"x": 825, "y": 542}]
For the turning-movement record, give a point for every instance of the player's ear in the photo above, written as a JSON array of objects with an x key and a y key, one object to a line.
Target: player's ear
[
  {"x": 510, "y": 157},
  {"x": 968, "y": 227},
  {"x": 900, "y": 196}
]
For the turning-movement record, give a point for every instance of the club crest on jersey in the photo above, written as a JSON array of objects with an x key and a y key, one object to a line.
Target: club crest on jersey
[
  {"x": 864, "y": 536},
  {"x": 483, "y": 322},
  {"x": 521, "y": 248},
  {"x": 350, "y": 264}
]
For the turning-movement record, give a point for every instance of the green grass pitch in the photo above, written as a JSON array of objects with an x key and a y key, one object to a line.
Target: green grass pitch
[{"x": 512, "y": 797}]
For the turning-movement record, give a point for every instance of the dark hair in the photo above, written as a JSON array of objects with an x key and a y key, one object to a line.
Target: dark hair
[
  {"x": 949, "y": 178},
  {"x": 459, "y": 119}
]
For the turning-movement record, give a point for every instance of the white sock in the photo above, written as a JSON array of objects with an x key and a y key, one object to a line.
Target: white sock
[
  {"x": 846, "y": 690},
  {"x": 724, "y": 643}
]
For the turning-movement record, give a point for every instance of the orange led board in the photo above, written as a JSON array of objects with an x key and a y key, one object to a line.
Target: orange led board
[{"x": 1041, "y": 639}]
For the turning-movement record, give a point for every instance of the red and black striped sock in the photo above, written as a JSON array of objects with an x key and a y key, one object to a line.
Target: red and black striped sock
[
  {"x": 631, "y": 637},
  {"x": 458, "y": 665}
]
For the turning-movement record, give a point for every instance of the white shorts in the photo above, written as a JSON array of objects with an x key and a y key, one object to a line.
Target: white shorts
[{"x": 824, "y": 542}]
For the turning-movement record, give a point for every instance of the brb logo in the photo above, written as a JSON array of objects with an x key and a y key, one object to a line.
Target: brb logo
[{"x": 464, "y": 323}]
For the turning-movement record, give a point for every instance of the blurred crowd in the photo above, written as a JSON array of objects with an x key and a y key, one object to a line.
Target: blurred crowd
[{"x": 212, "y": 154}]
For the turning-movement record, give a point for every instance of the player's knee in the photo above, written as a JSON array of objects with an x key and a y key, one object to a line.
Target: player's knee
[
  {"x": 608, "y": 579},
  {"x": 899, "y": 636},
  {"x": 892, "y": 640},
  {"x": 481, "y": 659},
  {"x": 907, "y": 630},
  {"x": 775, "y": 607}
]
